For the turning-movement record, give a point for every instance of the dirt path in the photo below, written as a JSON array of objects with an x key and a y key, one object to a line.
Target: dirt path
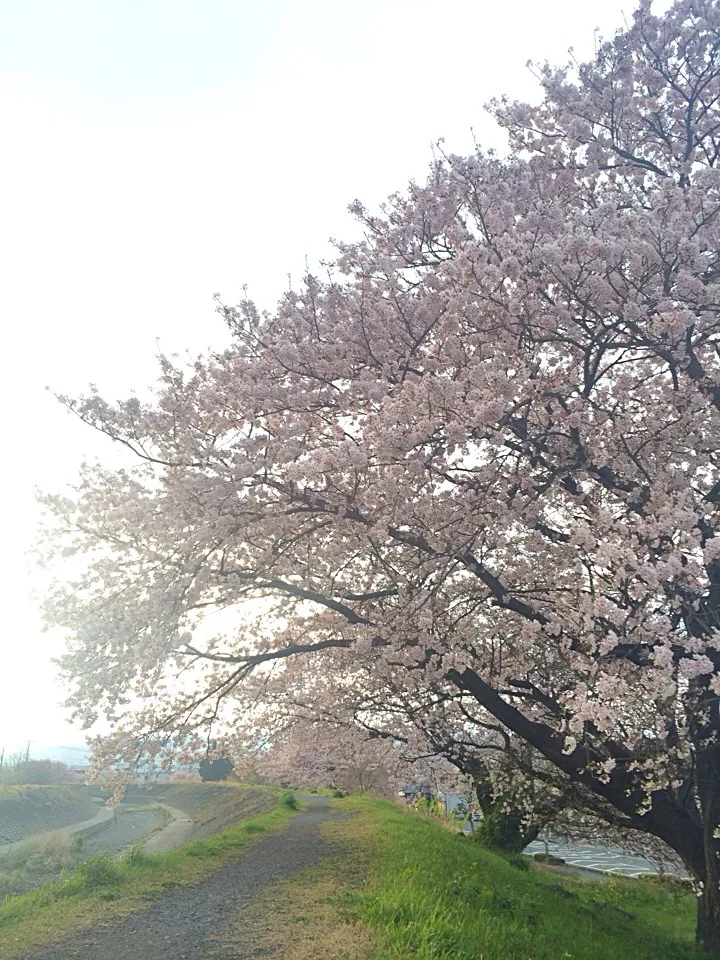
[{"x": 189, "y": 922}]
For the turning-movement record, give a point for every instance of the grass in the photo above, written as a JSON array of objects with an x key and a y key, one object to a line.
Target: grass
[
  {"x": 36, "y": 857},
  {"x": 104, "y": 886},
  {"x": 289, "y": 800},
  {"x": 298, "y": 920},
  {"x": 399, "y": 884},
  {"x": 432, "y": 894},
  {"x": 24, "y": 789}
]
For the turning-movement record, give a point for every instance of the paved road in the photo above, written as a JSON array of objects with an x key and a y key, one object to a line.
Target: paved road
[
  {"x": 594, "y": 857},
  {"x": 189, "y": 922},
  {"x": 590, "y": 856}
]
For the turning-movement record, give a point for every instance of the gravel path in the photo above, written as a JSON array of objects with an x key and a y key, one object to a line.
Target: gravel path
[{"x": 184, "y": 924}]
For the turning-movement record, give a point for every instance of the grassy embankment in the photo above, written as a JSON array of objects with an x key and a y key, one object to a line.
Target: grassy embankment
[
  {"x": 37, "y": 859},
  {"x": 401, "y": 885},
  {"x": 106, "y": 887}
]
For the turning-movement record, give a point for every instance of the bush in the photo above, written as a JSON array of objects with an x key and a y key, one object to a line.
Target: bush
[
  {"x": 213, "y": 770},
  {"x": 677, "y": 887},
  {"x": 44, "y": 772},
  {"x": 290, "y": 801},
  {"x": 550, "y": 859},
  {"x": 518, "y": 860},
  {"x": 99, "y": 871},
  {"x": 500, "y": 831},
  {"x": 136, "y": 856}
]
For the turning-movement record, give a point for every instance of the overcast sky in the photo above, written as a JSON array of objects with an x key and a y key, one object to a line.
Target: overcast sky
[{"x": 157, "y": 151}]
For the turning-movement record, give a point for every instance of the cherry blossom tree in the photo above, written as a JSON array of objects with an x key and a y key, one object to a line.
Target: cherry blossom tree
[
  {"x": 321, "y": 755},
  {"x": 432, "y": 732},
  {"x": 482, "y": 454},
  {"x": 437, "y": 736}
]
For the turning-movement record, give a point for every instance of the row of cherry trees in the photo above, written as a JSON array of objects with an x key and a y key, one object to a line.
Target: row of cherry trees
[{"x": 478, "y": 464}]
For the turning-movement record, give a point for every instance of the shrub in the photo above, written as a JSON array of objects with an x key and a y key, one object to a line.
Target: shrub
[
  {"x": 518, "y": 860},
  {"x": 44, "y": 772},
  {"x": 98, "y": 871},
  {"x": 136, "y": 856},
  {"x": 677, "y": 887},
  {"x": 501, "y": 832},
  {"x": 290, "y": 801},
  {"x": 549, "y": 858},
  {"x": 211, "y": 770}
]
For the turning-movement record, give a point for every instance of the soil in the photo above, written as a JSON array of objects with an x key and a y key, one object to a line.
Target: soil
[{"x": 193, "y": 922}]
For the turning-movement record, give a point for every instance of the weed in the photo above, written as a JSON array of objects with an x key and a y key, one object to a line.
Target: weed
[
  {"x": 518, "y": 860},
  {"x": 549, "y": 858},
  {"x": 137, "y": 856},
  {"x": 502, "y": 902},
  {"x": 99, "y": 871}
]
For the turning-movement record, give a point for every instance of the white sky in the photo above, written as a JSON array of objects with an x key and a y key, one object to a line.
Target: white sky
[{"x": 157, "y": 151}]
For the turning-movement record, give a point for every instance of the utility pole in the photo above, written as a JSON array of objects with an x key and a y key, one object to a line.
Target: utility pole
[{"x": 27, "y": 752}]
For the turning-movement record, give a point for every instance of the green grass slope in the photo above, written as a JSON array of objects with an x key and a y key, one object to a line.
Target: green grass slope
[{"x": 432, "y": 894}]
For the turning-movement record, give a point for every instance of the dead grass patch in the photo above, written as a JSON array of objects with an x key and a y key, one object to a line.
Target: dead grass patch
[{"x": 305, "y": 918}]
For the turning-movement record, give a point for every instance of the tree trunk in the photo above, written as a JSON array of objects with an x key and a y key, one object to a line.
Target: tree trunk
[
  {"x": 502, "y": 829},
  {"x": 707, "y": 932},
  {"x": 708, "y": 921}
]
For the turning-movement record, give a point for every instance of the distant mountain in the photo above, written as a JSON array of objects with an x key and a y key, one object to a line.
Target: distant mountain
[{"x": 74, "y": 755}]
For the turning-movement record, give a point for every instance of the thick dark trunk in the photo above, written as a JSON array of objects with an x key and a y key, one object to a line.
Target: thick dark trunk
[
  {"x": 700, "y": 859},
  {"x": 708, "y": 794},
  {"x": 502, "y": 829},
  {"x": 707, "y": 932},
  {"x": 531, "y": 833}
]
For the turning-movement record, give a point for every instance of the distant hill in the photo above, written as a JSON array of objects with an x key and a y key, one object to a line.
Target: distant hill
[{"x": 74, "y": 755}]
